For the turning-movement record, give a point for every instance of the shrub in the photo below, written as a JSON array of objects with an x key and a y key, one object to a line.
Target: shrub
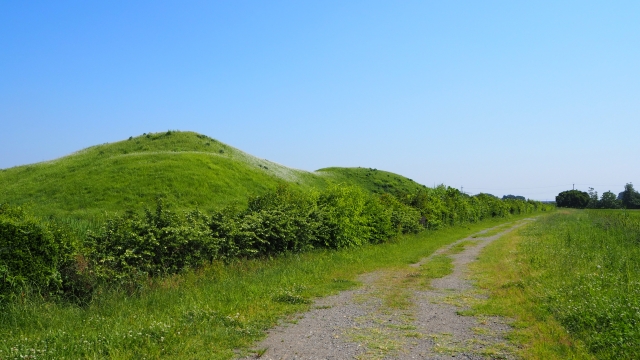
[
  {"x": 404, "y": 219},
  {"x": 379, "y": 220},
  {"x": 32, "y": 253},
  {"x": 131, "y": 247},
  {"x": 283, "y": 220},
  {"x": 343, "y": 217},
  {"x": 279, "y": 221}
]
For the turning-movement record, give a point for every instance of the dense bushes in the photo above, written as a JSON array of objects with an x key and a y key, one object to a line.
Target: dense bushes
[
  {"x": 160, "y": 242},
  {"x": 129, "y": 249},
  {"x": 277, "y": 222},
  {"x": 33, "y": 254},
  {"x": 445, "y": 206}
]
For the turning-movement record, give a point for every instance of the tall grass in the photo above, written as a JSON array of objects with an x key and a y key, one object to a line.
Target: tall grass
[{"x": 586, "y": 270}]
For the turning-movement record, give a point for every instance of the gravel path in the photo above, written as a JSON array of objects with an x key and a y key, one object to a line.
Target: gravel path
[{"x": 422, "y": 322}]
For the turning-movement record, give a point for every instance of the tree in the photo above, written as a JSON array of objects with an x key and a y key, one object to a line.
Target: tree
[
  {"x": 593, "y": 199},
  {"x": 573, "y": 199},
  {"x": 630, "y": 197},
  {"x": 610, "y": 201}
]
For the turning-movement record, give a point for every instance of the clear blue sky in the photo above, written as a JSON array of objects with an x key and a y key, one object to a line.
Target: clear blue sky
[{"x": 504, "y": 97}]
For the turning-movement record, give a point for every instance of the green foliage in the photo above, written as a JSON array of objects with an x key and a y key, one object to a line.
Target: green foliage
[
  {"x": 587, "y": 273},
  {"x": 513, "y": 197},
  {"x": 404, "y": 218},
  {"x": 573, "y": 199},
  {"x": 594, "y": 203},
  {"x": 209, "y": 313},
  {"x": 187, "y": 168},
  {"x": 373, "y": 180},
  {"x": 630, "y": 197},
  {"x": 32, "y": 253},
  {"x": 279, "y": 221},
  {"x": 130, "y": 248},
  {"x": 609, "y": 200},
  {"x": 445, "y": 206},
  {"x": 344, "y": 221},
  {"x": 129, "y": 174},
  {"x": 335, "y": 208}
]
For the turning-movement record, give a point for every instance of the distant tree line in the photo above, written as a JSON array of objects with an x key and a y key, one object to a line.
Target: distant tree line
[{"x": 628, "y": 199}]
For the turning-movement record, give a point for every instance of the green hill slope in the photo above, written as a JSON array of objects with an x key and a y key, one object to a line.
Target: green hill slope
[
  {"x": 187, "y": 168},
  {"x": 373, "y": 180}
]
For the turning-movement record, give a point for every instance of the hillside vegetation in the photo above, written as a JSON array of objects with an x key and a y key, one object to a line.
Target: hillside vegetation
[
  {"x": 186, "y": 168},
  {"x": 373, "y": 180}
]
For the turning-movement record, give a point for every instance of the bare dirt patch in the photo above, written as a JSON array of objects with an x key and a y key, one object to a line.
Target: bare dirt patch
[{"x": 400, "y": 314}]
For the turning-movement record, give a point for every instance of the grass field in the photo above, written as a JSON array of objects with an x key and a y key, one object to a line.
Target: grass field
[{"x": 571, "y": 280}]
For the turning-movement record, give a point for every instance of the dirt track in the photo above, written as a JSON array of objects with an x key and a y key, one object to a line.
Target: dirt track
[{"x": 396, "y": 315}]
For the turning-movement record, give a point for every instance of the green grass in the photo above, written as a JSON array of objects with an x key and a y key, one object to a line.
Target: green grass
[
  {"x": 461, "y": 246},
  {"x": 205, "y": 314},
  {"x": 186, "y": 168},
  {"x": 571, "y": 282},
  {"x": 373, "y": 180},
  {"x": 437, "y": 267}
]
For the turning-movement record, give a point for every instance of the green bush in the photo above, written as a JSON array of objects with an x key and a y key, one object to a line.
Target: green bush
[
  {"x": 379, "y": 220},
  {"x": 284, "y": 220},
  {"x": 131, "y": 247},
  {"x": 342, "y": 211},
  {"x": 276, "y": 222},
  {"x": 32, "y": 252}
]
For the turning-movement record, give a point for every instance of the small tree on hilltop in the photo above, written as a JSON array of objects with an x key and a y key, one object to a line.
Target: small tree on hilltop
[{"x": 573, "y": 199}]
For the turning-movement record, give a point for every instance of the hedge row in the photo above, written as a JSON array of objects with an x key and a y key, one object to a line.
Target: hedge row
[
  {"x": 130, "y": 248},
  {"x": 445, "y": 206}
]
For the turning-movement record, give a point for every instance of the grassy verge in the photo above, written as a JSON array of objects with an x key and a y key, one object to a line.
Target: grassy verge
[
  {"x": 502, "y": 272},
  {"x": 205, "y": 314},
  {"x": 570, "y": 282}
]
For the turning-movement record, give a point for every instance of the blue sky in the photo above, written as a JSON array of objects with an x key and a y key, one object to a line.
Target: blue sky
[{"x": 501, "y": 97}]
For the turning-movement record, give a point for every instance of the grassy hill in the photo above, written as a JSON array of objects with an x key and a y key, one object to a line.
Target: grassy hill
[
  {"x": 373, "y": 180},
  {"x": 187, "y": 168}
]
